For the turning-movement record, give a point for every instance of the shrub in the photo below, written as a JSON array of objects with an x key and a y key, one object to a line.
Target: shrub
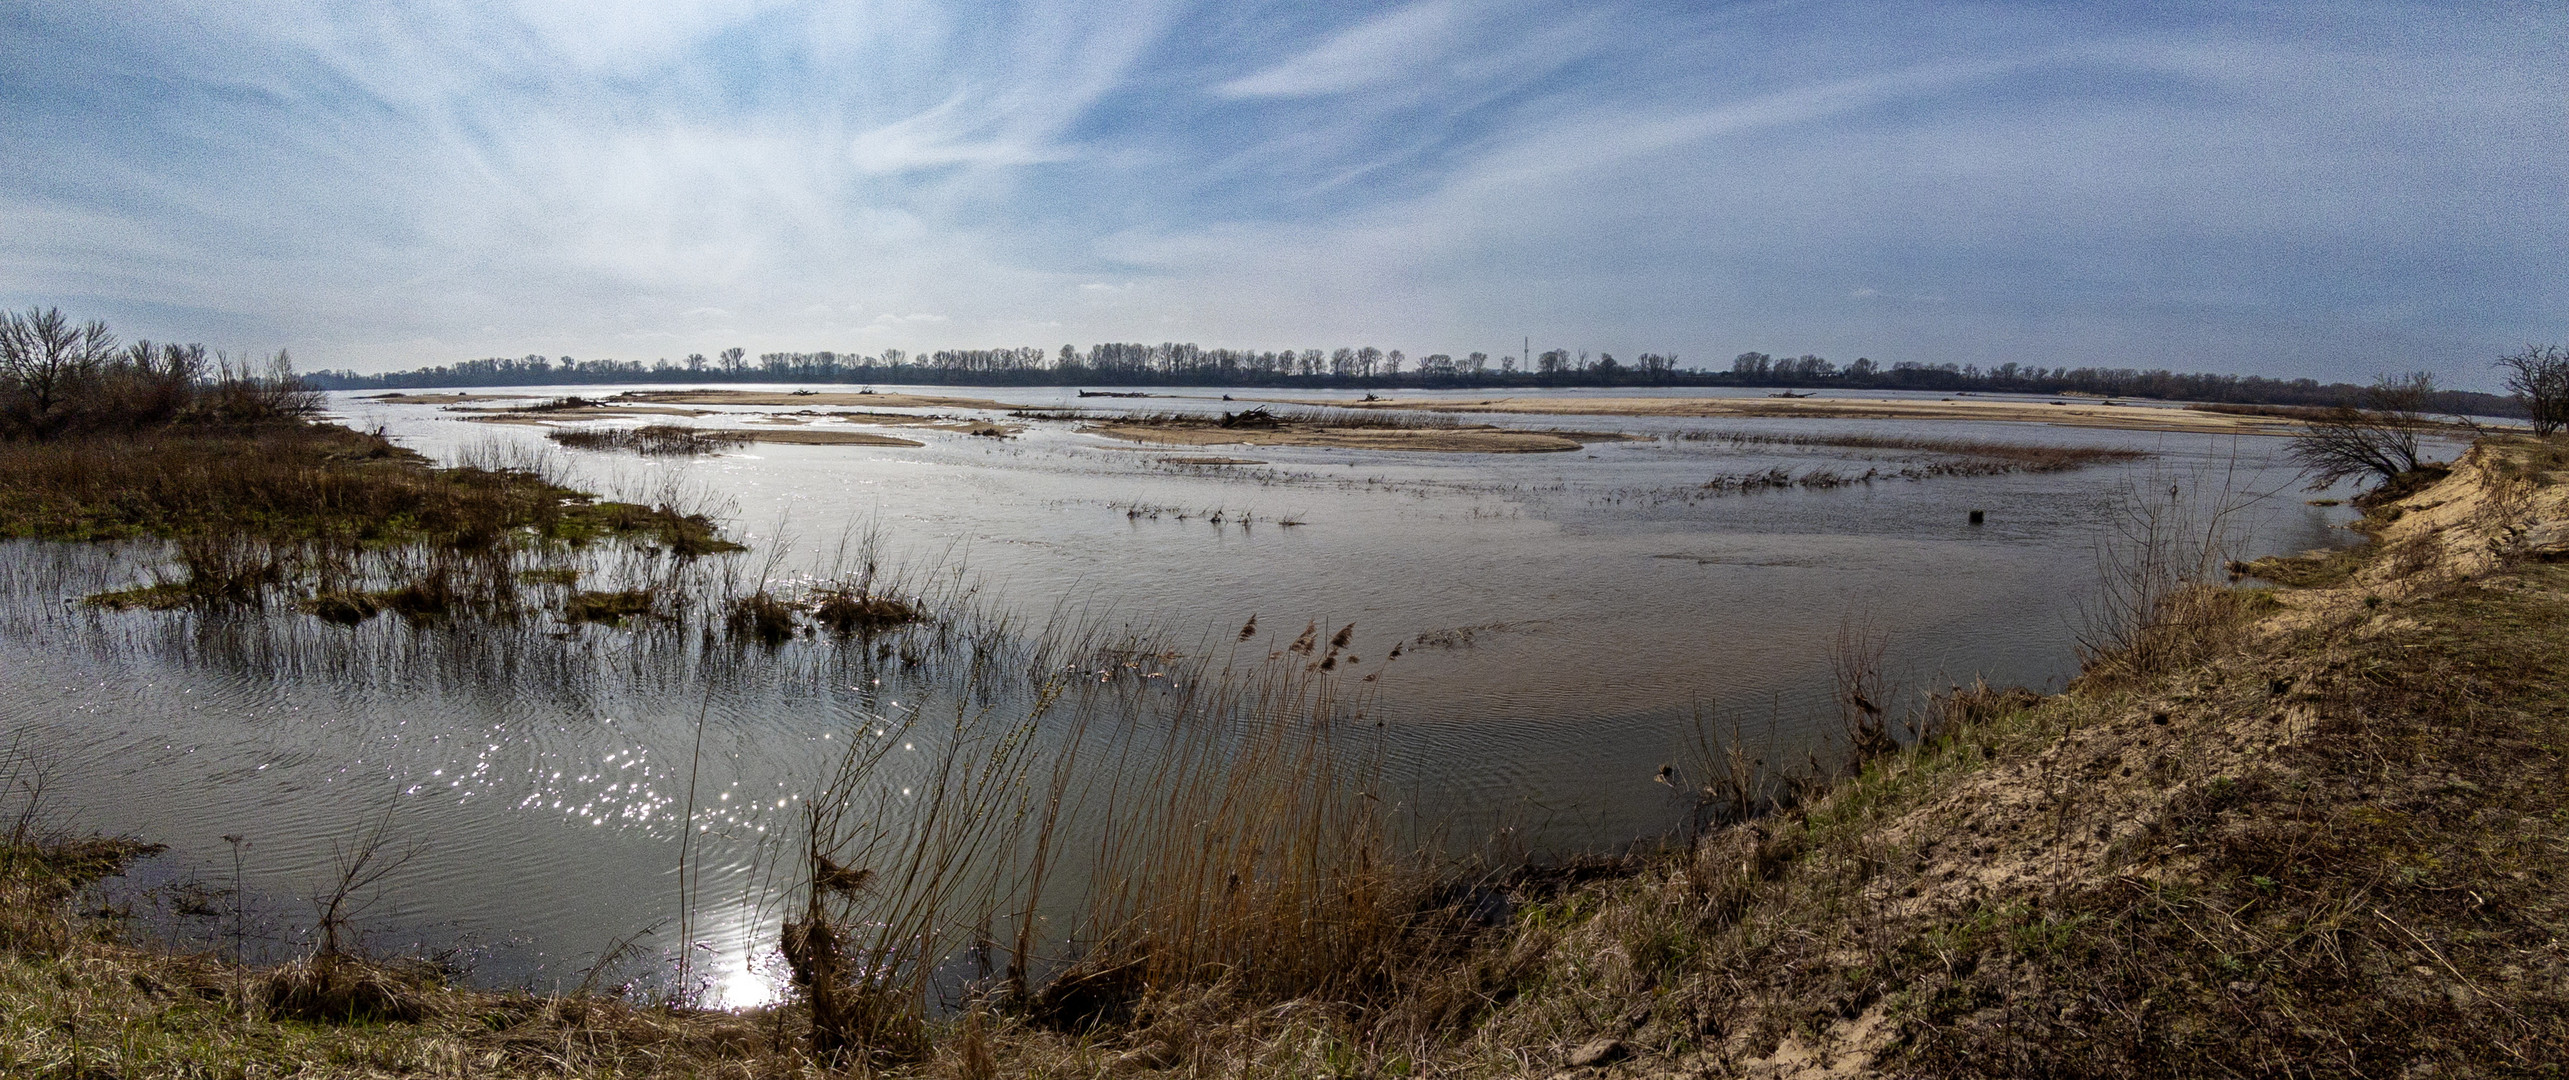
[{"x": 2540, "y": 375}]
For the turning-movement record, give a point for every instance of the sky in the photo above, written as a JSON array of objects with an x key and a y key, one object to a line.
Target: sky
[{"x": 2332, "y": 189}]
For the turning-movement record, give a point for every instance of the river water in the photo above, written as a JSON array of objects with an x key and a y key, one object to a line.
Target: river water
[{"x": 1563, "y": 622}]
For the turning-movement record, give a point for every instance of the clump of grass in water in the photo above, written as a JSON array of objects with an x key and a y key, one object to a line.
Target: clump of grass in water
[
  {"x": 1983, "y": 457},
  {"x": 763, "y": 616},
  {"x": 218, "y": 569},
  {"x": 845, "y": 611},
  {"x": 1260, "y": 416},
  {"x": 612, "y": 608},
  {"x": 654, "y": 439}
]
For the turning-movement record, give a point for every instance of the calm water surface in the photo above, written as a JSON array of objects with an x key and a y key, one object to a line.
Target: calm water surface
[{"x": 1562, "y": 620}]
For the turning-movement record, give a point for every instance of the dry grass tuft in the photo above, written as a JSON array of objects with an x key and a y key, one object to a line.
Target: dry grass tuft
[
  {"x": 666, "y": 440},
  {"x": 612, "y": 608}
]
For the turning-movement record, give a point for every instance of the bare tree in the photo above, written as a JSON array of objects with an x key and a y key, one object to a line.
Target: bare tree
[
  {"x": 2376, "y": 435},
  {"x": 44, "y": 362},
  {"x": 2540, "y": 375}
]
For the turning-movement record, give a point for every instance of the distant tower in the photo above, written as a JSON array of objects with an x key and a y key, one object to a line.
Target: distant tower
[{"x": 1525, "y": 359}]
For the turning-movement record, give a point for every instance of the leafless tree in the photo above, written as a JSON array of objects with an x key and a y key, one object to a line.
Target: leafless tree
[
  {"x": 2375, "y": 435},
  {"x": 44, "y": 361},
  {"x": 2540, "y": 375}
]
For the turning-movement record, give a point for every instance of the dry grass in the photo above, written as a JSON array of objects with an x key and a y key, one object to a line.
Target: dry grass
[
  {"x": 336, "y": 523},
  {"x": 2015, "y": 457},
  {"x": 1923, "y": 459},
  {"x": 666, "y": 440},
  {"x": 1222, "y": 830},
  {"x": 302, "y": 483}
]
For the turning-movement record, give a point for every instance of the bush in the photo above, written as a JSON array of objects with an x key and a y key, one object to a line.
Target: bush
[
  {"x": 2540, "y": 376},
  {"x": 57, "y": 378},
  {"x": 2375, "y": 436}
]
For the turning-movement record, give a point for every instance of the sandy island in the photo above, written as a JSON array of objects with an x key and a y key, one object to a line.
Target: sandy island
[
  {"x": 2068, "y": 412},
  {"x": 809, "y": 437},
  {"x": 1475, "y": 439},
  {"x": 541, "y": 416},
  {"x": 456, "y": 398},
  {"x": 653, "y": 403},
  {"x": 757, "y": 397}
]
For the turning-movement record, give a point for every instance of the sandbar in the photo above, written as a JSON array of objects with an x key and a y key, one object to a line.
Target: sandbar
[
  {"x": 1479, "y": 439},
  {"x": 762, "y": 397},
  {"x": 540, "y": 416},
  {"x": 2069, "y": 412},
  {"x": 456, "y": 398},
  {"x": 811, "y": 437}
]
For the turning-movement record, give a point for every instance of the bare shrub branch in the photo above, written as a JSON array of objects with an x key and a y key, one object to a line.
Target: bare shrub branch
[
  {"x": 2374, "y": 436},
  {"x": 2540, "y": 375}
]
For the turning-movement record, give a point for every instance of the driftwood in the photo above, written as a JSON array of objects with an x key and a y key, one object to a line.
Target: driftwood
[{"x": 1258, "y": 417}]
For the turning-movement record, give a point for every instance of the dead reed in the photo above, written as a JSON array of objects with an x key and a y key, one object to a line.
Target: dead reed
[
  {"x": 1259, "y": 416},
  {"x": 2166, "y": 548},
  {"x": 1134, "y": 828},
  {"x": 664, "y": 440},
  {"x": 1970, "y": 457}
]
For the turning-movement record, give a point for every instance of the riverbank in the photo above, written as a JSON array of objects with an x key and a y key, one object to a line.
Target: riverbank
[{"x": 2314, "y": 826}]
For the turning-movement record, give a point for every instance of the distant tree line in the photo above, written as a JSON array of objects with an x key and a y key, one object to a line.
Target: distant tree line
[{"x": 1371, "y": 368}]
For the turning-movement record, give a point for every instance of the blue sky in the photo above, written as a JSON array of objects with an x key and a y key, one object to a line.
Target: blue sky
[{"x": 2328, "y": 189}]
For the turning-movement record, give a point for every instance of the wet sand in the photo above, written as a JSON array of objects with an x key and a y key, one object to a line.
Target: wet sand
[
  {"x": 2065, "y": 412},
  {"x": 540, "y": 417},
  {"x": 1468, "y": 440},
  {"x": 810, "y": 437},
  {"x": 457, "y": 398},
  {"x": 754, "y": 397}
]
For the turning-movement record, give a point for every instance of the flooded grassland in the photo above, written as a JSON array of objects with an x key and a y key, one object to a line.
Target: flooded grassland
[{"x": 1519, "y": 641}]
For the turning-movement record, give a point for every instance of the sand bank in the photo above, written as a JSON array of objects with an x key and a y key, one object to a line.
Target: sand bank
[
  {"x": 1477, "y": 439},
  {"x": 2065, "y": 412},
  {"x": 759, "y": 397}
]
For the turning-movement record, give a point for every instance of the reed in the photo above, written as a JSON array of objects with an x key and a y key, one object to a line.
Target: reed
[
  {"x": 659, "y": 440},
  {"x": 1974, "y": 456},
  {"x": 1093, "y": 827},
  {"x": 1259, "y": 416},
  {"x": 2165, "y": 552}
]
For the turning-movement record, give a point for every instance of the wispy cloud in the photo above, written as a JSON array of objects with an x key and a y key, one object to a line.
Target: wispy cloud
[
  {"x": 2325, "y": 189},
  {"x": 1391, "y": 48}
]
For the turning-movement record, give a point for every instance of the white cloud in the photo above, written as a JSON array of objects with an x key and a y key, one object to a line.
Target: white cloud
[
  {"x": 937, "y": 138},
  {"x": 1387, "y": 49},
  {"x": 388, "y": 186}
]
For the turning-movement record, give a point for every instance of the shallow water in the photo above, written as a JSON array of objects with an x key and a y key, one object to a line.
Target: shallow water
[{"x": 1563, "y": 620}]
